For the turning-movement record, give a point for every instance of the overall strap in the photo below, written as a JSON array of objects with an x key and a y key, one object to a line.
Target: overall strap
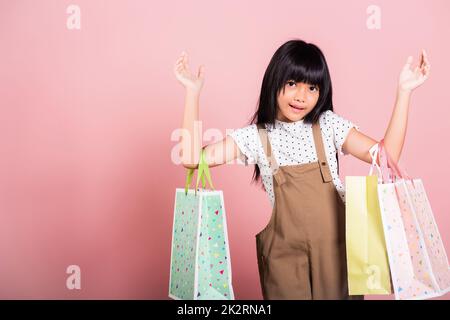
[
  {"x": 320, "y": 150},
  {"x": 267, "y": 147}
]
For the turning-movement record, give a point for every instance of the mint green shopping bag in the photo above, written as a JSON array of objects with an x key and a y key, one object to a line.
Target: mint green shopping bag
[{"x": 200, "y": 266}]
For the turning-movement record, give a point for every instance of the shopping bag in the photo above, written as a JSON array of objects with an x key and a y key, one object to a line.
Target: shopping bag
[
  {"x": 367, "y": 261},
  {"x": 430, "y": 233},
  {"x": 419, "y": 266},
  {"x": 200, "y": 267}
]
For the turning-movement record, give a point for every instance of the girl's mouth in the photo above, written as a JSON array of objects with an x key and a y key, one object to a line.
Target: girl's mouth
[{"x": 297, "y": 109}]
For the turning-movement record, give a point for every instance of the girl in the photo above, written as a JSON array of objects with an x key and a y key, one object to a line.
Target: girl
[{"x": 293, "y": 140}]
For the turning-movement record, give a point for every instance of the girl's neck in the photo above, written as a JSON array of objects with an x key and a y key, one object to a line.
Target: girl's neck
[{"x": 286, "y": 120}]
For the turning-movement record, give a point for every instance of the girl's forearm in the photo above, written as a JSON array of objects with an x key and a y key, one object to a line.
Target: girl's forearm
[
  {"x": 191, "y": 133},
  {"x": 396, "y": 131}
]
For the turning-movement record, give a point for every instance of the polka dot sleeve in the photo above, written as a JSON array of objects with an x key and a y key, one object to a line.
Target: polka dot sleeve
[
  {"x": 341, "y": 128},
  {"x": 245, "y": 139}
]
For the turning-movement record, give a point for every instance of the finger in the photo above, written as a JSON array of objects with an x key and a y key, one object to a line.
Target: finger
[
  {"x": 422, "y": 65},
  {"x": 179, "y": 60},
  {"x": 425, "y": 74},
  {"x": 426, "y": 64},
  {"x": 184, "y": 62},
  {"x": 427, "y": 71},
  {"x": 201, "y": 72},
  {"x": 179, "y": 69},
  {"x": 408, "y": 63},
  {"x": 179, "y": 64},
  {"x": 181, "y": 56},
  {"x": 425, "y": 56}
]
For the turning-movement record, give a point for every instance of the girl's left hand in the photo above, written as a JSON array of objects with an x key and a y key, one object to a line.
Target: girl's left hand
[{"x": 410, "y": 79}]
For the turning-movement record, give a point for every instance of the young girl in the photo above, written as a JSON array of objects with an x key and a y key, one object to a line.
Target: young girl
[{"x": 293, "y": 140}]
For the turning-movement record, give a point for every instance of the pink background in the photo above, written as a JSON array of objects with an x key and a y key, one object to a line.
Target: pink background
[{"x": 86, "y": 118}]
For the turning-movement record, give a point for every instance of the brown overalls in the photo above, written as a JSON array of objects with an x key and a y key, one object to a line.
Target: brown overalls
[{"x": 301, "y": 252}]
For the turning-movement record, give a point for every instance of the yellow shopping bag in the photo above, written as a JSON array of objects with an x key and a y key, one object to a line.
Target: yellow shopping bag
[{"x": 367, "y": 259}]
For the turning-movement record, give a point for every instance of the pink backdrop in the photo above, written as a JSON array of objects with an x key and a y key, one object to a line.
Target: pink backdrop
[{"x": 86, "y": 118}]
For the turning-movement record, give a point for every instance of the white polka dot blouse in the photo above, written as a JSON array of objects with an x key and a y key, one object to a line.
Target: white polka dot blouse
[{"x": 293, "y": 143}]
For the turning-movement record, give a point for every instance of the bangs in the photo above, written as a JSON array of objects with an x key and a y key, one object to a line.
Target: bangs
[
  {"x": 306, "y": 74},
  {"x": 305, "y": 66}
]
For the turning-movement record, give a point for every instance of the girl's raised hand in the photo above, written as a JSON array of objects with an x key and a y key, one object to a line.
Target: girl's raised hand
[
  {"x": 189, "y": 80},
  {"x": 412, "y": 78}
]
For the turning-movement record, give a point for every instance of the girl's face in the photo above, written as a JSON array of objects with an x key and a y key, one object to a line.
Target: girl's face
[{"x": 296, "y": 100}]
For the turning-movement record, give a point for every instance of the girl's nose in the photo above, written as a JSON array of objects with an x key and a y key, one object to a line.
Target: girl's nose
[{"x": 300, "y": 95}]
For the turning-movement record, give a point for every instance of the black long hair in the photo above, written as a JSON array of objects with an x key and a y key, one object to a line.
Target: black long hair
[{"x": 299, "y": 61}]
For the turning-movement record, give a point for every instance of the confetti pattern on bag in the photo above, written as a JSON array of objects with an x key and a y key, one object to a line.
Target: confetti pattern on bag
[
  {"x": 213, "y": 263},
  {"x": 430, "y": 232},
  {"x": 212, "y": 256},
  {"x": 399, "y": 257},
  {"x": 423, "y": 285},
  {"x": 184, "y": 245},
  {"x": 412, "y": 275}
]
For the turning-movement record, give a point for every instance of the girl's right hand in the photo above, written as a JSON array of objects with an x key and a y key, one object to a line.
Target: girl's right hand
[{"x": 187, "y": 79}]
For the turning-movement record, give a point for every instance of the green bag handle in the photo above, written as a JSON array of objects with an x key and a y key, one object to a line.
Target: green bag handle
[{"x": 203, "y": 171}]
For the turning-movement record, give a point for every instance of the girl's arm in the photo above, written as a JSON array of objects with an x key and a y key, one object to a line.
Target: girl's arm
[
  {"x": 216, "y": 153},
  {"x": 358, "y": 144}
]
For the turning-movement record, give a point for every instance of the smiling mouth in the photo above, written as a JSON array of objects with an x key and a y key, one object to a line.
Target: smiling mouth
[{"x": 297, "y": 108}]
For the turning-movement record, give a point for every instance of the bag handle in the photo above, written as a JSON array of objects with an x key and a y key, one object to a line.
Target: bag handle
[
  {"x": 203, "y": 171},
  {"x": 373, "y": 151},
  {"x": 387, "y": 164},
  {"x": 384, "y": 171}
]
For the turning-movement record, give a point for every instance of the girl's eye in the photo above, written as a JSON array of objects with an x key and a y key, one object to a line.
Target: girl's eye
[
  {"x": 291, "y": 83},
  {"x": 313, "y": 88}
]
